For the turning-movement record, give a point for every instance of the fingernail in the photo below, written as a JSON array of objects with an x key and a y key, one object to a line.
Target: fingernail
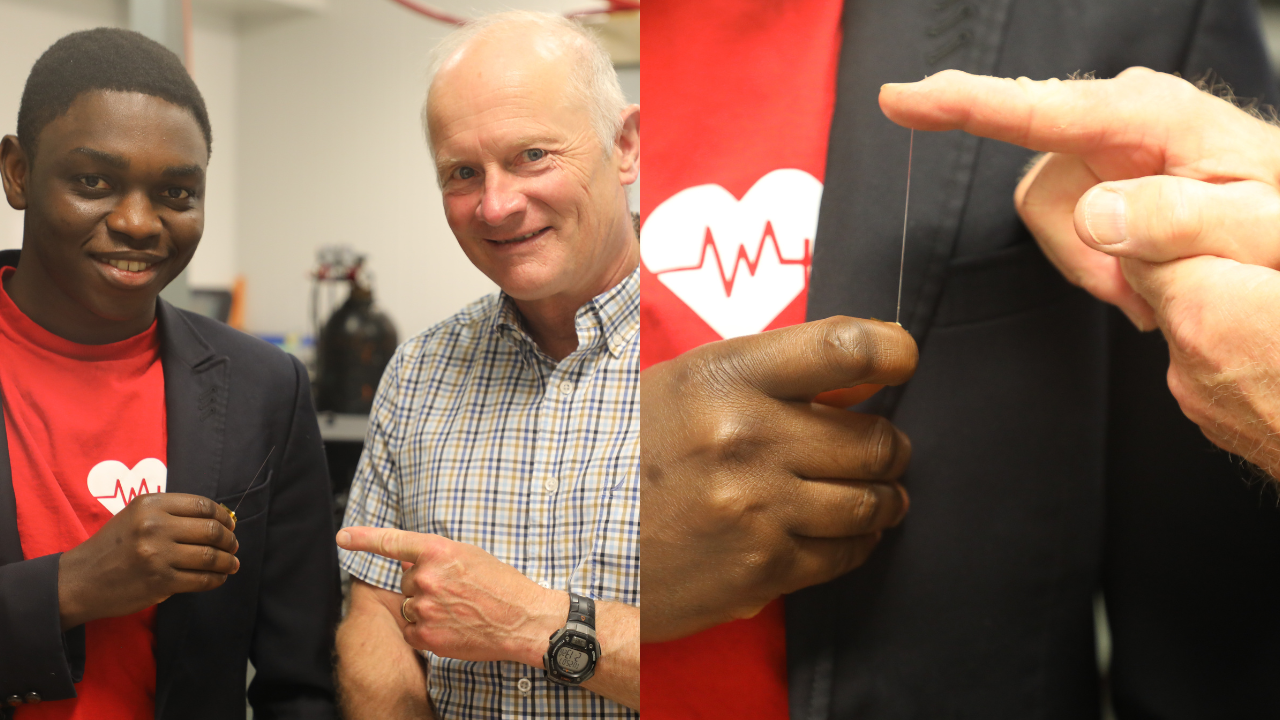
[
  {"x": 344, "y": 538},
  {"x": 1104, "y": 216},
  {"x": 237, "y": 568},
  {"x": 906, "y": 505}
]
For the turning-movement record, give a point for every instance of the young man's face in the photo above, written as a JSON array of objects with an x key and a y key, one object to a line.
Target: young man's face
[{"x": 114, "y": 201}]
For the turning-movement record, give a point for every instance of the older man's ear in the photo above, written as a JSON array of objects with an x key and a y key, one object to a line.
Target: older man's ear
[{"x": 627, "y": 148}]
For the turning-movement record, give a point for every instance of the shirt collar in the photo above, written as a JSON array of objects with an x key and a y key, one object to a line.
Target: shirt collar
[{"x": 609, "y": 320}]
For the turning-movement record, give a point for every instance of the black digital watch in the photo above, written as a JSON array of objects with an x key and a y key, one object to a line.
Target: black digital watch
[{"x": 573, "y": 652}]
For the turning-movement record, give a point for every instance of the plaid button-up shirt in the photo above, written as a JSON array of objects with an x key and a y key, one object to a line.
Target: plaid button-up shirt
[{"x": 479, "y": 436}]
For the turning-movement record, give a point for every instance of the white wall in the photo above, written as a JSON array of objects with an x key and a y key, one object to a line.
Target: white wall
[
  {"x": 332, "y": 153},
  {"x": 29, "y": 27}
]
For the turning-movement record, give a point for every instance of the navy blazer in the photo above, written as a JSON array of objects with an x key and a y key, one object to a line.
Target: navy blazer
[
  {"x": 229, "y": 398},
  {"x": 1050, "y": 461}
]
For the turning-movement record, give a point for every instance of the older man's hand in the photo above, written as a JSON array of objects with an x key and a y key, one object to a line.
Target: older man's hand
[
  {"x": 1159, "y": 198},
  {"x": 751, "y": 490},
  {"x": 465, "y": 603}
]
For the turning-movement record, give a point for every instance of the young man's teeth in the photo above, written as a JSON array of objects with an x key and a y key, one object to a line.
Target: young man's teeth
[{"x": 128, "y": 265}]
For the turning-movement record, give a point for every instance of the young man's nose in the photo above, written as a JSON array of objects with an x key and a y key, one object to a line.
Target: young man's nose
[{"x": 135, "y": 217}]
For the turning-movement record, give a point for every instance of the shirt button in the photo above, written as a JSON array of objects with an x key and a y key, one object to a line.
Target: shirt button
[
  {"x": 551, "y": 484},
  {"x": 544, "y": 584},
  {"x": 32, "y": 698},
  {"x": 14, "y": 700},
  {"x": 566, "y": 388},
  {"x": 524, "y": 686}
]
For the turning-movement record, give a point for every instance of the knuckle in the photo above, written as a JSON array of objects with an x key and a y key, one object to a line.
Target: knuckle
[
  {"x": 213, "y": 531},
  {"x": 884, "y": 450},
  {"x": 209, "y": 556},
  {"x": 736, "y": 438},
  {"x": 848, "y": 346},
  {"x": 204, "y": 507}
]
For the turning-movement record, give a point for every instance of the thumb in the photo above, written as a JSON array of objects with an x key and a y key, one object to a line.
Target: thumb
[
  {"x": 1161, "y": 218},
  {"x": 388, "y": 542}
]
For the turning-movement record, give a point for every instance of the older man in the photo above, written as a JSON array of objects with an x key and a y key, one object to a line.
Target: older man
[{"x": 503, "y": 446}]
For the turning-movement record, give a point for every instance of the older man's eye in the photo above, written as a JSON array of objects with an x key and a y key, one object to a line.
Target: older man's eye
[
  {"x": 465, "y": 173},
  {"x": 534, "y": 154}
]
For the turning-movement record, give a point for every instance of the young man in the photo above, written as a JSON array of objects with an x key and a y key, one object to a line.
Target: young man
[{"x": 126, "y": 591}]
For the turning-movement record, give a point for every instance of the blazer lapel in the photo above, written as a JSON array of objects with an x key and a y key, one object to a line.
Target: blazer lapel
[
  {"x": 858, "y": 245},
  {"x": 195, "y": 389},
  {"x": 10, "y": 541}
]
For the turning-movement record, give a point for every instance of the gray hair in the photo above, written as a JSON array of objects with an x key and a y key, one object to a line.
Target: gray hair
[{"x": 592, "y": 78}]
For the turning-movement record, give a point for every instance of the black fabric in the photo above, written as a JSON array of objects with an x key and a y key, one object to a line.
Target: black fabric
[
  {"x": 229, "y": 399},
  {"x": 1040, "y": 434}
]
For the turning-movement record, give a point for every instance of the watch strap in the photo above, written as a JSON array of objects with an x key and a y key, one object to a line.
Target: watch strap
[{"x": 582, "y": 610}]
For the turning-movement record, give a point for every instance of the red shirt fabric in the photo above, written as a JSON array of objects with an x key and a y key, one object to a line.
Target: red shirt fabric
[
  {"x": 86, "y": 431},
  {"x": 738, "y": 98}
]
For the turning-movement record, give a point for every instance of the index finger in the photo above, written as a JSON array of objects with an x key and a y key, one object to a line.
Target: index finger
[
  {"x": 1154, "y": 114},
  {"x": 192, "y": 506},
  {"x": 801, "y": 361},
  {"x": 388, "y": 542}
]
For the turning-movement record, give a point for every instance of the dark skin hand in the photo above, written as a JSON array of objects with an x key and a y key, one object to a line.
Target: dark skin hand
[
  {"x": 114, "y": 208},
  {"x": 159, "y": 545},
  {"x": 753, "y": 490}
]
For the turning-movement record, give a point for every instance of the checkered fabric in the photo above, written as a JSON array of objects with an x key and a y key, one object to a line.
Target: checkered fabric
[{"x": 479, "y": 436}]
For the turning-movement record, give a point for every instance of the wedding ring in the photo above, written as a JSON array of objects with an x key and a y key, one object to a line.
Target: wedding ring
[{"x": 404, "y": 611}]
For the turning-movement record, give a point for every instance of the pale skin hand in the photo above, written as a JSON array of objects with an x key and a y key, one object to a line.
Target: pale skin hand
[
  {"x": 1160, "y": 199},
  {"x": 752, "y": 490},
  {"x": 467, "y": 604}
]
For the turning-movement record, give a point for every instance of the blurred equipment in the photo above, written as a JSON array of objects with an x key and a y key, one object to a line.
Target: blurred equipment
[{"x": 357, "y": 340}]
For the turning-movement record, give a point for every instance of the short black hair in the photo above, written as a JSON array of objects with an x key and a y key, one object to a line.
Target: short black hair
[{"x": 104, "y": 59}]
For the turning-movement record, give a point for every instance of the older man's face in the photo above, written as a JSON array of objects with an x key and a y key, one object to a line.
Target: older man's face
[{"x": 533, "y": 199}]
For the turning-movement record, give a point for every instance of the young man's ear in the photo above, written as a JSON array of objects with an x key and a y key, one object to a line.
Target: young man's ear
[{"x": 14, "y": 169}]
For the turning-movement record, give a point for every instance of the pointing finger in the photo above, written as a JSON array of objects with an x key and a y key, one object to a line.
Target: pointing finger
[
  {"x": 388, "y": 542},
  {"x": 1136, "y": 112}
]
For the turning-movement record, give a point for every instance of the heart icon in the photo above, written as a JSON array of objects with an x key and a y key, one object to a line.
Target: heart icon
[
  {"x": 736, "y": 263},
  {"x": 114, "y": 484}
]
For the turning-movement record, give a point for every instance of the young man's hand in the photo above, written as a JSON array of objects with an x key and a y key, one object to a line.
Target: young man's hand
[
  {"x": 159, "y": 545},
  {"x": 750, "y": 488}
]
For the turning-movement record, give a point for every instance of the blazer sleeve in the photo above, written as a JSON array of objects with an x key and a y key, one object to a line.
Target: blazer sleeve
[
  {"x": 293, "y": 641},
  {"x": 35, "y": 655}
]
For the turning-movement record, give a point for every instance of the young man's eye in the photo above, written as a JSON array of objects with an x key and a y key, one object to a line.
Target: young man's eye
[
  {"x": 534, "y": 154},
  {"x": 95, "y": 182},
  {"x": 177, "y": 193}
]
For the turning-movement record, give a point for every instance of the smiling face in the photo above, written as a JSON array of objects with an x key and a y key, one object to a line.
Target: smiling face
[
  {"x": 534, "y": 200},
  {"x": 114, "y": 201}
]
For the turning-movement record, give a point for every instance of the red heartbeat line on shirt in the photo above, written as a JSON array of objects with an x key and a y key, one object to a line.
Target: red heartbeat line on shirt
[
  {"x": 709, "y": 246},
  {"x": 119, "y": 492}
]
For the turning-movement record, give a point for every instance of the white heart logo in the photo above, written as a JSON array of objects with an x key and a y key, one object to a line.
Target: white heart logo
[
  {"x": 736, "y": 263},
  {"x": 114, "y": 484}
]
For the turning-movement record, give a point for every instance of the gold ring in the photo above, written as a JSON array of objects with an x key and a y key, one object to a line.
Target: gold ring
[{"x": 403, "y": 606}]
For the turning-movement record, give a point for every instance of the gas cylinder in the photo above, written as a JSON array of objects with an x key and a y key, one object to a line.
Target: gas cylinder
[{"x": 355, "y": 345}]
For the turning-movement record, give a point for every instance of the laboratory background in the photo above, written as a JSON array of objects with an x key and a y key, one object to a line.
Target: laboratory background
[{"x": 324, "y": 229}]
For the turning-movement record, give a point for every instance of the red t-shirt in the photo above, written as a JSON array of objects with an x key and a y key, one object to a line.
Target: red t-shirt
[
  {"x": 86, "y": 431},
  {"x": 738, "y": 97}
]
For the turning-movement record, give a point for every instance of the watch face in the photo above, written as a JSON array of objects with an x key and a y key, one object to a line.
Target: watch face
[{"x": 571, "y": 660}]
